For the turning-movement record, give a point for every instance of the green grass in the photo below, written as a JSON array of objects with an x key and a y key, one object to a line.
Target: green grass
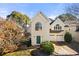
[{"x": 20, "y": 53}]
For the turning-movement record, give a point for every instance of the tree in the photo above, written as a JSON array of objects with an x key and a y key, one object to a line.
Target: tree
[
  {"x": 47, "y": 47},
  {"x": 10, "y": 36},
  {"x": 72, "y": 9},
  {"x": 67, "y": 37},
  {"x": 18, "y": 17},
  {"x": 66, "y": 17},
  {"x": 21, "y": 19}
]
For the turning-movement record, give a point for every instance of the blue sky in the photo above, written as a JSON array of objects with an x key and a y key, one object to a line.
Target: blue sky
[{"x": 30, "y": 9}]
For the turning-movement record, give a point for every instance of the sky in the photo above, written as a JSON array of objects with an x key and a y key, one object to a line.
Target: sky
[{"x": 51, "y": 10}]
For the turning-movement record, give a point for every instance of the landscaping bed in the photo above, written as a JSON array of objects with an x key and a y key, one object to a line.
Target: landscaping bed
[
  {"x": 38, "y": 52},
  {"x": 20, "y": 53}
]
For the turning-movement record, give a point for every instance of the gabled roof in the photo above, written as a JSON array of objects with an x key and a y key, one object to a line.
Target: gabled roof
[
  {"x": 55, "y": 20},
  {"x": 40, "y": 13},
  {"x": 50, "y": 19},
  {"x": 43, "y": 15},
  {"x": 52, "y": 22}
]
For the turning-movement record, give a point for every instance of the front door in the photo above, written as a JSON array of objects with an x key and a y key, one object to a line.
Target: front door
[{"x": 38, "y": 39}]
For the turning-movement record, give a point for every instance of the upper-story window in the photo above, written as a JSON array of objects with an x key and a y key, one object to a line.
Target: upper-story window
[
  {"x": 38, "y": 26},
  {"x": 57, "y": 27}
]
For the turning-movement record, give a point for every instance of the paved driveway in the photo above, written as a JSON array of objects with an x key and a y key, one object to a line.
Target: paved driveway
[{"x": 64, "y": 50}]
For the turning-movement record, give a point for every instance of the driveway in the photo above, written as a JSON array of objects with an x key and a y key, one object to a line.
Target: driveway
[{"x": 64, "y": 50}]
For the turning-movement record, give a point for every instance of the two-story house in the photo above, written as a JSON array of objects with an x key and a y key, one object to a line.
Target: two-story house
[{"x": 44, "y": 30}]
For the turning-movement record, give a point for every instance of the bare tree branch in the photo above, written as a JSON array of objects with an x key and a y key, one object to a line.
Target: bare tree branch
[{"x": 73, "y": 9}]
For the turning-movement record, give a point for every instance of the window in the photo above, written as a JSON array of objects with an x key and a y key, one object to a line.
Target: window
[
  {"x": 38, "y": 26},
  {"x": 60, "y": 28},
  {"x": 57, "y": 27}
]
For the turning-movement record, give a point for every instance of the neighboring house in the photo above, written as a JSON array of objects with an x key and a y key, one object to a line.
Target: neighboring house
[
  {"x": 44, "y": 30},
  {"x": 57, "y": 30}
]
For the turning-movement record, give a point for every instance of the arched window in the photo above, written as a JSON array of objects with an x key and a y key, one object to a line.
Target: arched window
[
  {"x": 57, "y": 27},
  {"x": 38, "y": 26}
]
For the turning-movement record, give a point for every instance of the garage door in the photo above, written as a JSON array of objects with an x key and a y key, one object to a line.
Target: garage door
[
  {"x": 56, "y": 37},
  {"x": 59, "y": 38}
]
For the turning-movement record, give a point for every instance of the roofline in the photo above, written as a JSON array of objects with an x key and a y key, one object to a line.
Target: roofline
[
  {"x": 55, "y": 20},
  {"x": 42, "y": 15}
]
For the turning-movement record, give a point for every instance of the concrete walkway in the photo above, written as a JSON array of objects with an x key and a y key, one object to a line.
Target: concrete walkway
[{"x": 64, "y": 50}]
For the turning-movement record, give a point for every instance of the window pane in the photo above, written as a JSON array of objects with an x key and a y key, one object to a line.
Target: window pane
[
  {"x": 38, "y": 39},
  {"x": 57, "y": 27},
  {"x": 38, "y": 26}
]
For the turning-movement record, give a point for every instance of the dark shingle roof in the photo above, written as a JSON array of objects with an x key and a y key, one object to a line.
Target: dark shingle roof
[{"x": 52, "y": 22}]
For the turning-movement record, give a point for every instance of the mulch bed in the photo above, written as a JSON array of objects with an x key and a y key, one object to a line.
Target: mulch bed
[{"x": 38, "y": 52}]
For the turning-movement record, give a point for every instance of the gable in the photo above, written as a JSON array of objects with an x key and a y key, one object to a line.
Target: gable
[
  {"x": 57, "y": 21},
  {"x": 40, "y": 17}
]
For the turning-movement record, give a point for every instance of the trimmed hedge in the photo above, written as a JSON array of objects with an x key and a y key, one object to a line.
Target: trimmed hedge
[{"x": 67, "y": 37}]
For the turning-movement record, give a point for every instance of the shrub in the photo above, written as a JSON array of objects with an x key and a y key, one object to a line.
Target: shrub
[
  {"x": 10, "y": 36},
  {"x": 7, "y": 46},
  {"x": 67, "y": 37},
  {"x": 47, "y": 47},
  {"x": 26, "y": 42}
]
